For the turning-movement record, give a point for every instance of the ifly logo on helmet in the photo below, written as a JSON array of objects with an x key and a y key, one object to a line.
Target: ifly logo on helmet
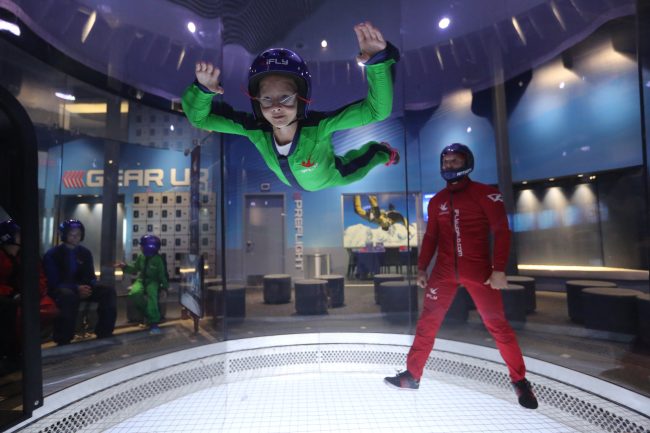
[{"x": 277, "y": 61}]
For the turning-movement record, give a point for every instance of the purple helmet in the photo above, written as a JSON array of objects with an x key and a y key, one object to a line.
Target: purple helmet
[
  {"x": 67, "y": 225},
  {"x": 280, "y": 61},
  {"x": 8, "y": 231},
  {"x": 452, "y": 175},
  {"x": 150, "y": 245}
]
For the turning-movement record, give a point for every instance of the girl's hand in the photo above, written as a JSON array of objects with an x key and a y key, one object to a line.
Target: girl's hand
[
  {"x": 370, "y": 39},
  {"x": 208, "y": 76}
]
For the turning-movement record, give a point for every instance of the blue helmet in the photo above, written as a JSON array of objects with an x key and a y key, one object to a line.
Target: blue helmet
[
  {"x": 67, "y": 225},
  {"x": 8, "y": 231},
  {"x": 280, "y": 61},
  {"x": 453, "y": 175},
  {"x": 150, "y": 245}
]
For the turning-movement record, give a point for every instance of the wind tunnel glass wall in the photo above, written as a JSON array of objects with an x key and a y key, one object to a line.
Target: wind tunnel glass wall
[{"x": 564, "y": 147}]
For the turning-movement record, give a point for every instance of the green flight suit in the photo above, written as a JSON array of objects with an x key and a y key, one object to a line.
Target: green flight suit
[
  {"x": 311, "y": 164},
  {"x": 152, "y": 276}
]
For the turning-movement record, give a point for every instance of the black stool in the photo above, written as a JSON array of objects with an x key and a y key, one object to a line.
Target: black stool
[
  {"x": 529, "y": 289},
  {"x": 643, "y": 317},
  {"x": 514, "y": 302},
  {"x": 458, "y": 311},
  {"x": 212, "y": 288},
  {"x": 380, "y": 278},
  {"x": 235, "y": 303},
  {"x": 311, "y": 296},
  {"x": 399, "y": 300},
  {"x": 335, "y": 289},
  {"x": 277, "y": 289},
  {"x": 574, "y": 296},
  {"x": 610, "y": 309}
]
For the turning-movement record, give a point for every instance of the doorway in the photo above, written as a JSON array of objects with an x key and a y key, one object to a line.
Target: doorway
[{"x": 264, "y": 244}]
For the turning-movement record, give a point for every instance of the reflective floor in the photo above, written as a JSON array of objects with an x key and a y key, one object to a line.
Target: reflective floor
[
  {"x": 338, "y": 402},
  {"x": 332, "y": 382}
]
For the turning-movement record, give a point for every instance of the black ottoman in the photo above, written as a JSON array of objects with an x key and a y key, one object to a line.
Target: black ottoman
[
  {"x": 335, "y": 289},
  {"x": 277, "y": 288},
  {"x": 458, "y": 311},
  {"x": 212, "y": 287},
  {"x": 574, "y": 296},
  {"x": 311, "y": 296},
  {"x": 529, "y": 289},
  {"x": 514, "y": 302},
  {"x": 399, "y": 300},
  {"x": 610, "y": 309},
  {"x": 380, "y": 278},
  {"x": 235, "y": 303},
  {"x": 643, "y": 317}
]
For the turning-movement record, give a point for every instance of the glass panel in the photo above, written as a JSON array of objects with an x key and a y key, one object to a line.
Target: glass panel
[{"x": 544, "y": 93}]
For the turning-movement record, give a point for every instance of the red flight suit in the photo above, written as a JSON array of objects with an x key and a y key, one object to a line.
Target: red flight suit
[{"x": 461, "y": 217}]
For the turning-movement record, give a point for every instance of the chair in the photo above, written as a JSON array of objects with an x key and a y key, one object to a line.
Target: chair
[
  {"x": 352, "y": 263},
  {"x": 392, "y": 258}
]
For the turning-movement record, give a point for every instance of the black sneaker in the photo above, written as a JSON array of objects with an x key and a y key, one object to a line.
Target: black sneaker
[
  {"x": 403, "y": 380},
  {"x": 524, "y": 391}
]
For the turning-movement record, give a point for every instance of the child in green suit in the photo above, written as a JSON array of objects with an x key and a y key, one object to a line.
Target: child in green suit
[
  {"x": 294, "y": 142},
  {"x": 152, "y": 277}
]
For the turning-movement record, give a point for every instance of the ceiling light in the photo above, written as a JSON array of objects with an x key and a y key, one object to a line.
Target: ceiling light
[
  {"x": 323, "y": 43},
  {"x": 561, "y": 86},
  {"x": 88, "y": 26},
  {"x": 65, "y": 96},
  {"x": 469, "y": 129},
  {"x": 9, "y": 27},
  {"x": 171, "y": 127},
  {"x": 191, "y": 27},
  {"x": 444, "y": 23}
]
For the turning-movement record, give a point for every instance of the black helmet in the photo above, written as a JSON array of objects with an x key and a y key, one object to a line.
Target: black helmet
[
  {"x": 280, "y": 61},
  {"x": 67, "y": 225},
  {"x": 453, "y": 175},
  {"x": 8, "y": 231}
]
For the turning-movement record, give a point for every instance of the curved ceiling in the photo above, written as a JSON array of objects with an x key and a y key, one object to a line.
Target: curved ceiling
[{"x": 146, "y": 43}]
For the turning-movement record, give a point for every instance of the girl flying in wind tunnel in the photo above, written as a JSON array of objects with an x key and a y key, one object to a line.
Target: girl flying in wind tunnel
[{"x": 296, "y": 143}]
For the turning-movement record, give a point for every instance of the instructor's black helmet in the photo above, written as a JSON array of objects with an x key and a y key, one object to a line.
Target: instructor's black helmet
[{"x": 452, "y": 175}]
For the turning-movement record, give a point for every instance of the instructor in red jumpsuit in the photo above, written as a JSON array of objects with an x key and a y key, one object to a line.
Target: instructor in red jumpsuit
[{"x": 461, "y": 217}]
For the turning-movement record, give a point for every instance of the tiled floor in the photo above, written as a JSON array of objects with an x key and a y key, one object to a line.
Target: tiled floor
[{"x": 335, "y": 402}]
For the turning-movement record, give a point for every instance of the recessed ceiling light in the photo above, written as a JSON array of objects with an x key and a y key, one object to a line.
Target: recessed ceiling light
[
  {"x": 9, "y": 27},
  {"x": 469, "y": 129},
  {"x": 65, "y": 96},
  {"x": 323, "y": 43},
  {"x": 444, "y": 23},
  {"x": 191, "y": 27},
  {"x": 561, "y": 86}
]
